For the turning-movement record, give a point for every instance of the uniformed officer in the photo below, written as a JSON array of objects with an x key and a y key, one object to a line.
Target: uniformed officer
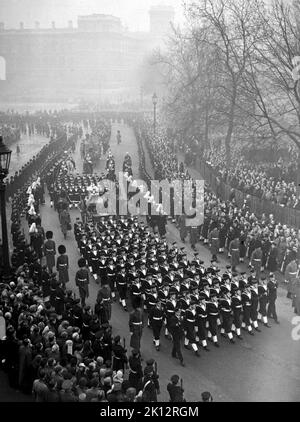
[
  {"x": 157, "y": 317},
  {"x": 246, "y": 301},
  {"x": 237, "y": 307},
  {"x": 225, "y": 307},
  {"x": 103, "y": 303},
  {"x": 263, "y": 301},
  {"x": 119, "y": 355},
  {"x": 82, "y": 281},
  {"x": 213, "y": 314},
  {"x": 234, "y": 250},
  {"x": 135, "y": 370},
  {"x": 214, "y": 242},
  {"x": 189, "y": 327},
  {"x": 290, "y": 277},
  {"x": 272, "y": 291},
  {"x": 254, "y": 303},
  {"x": 135, "y": 291},
  {"x": 122, "y": 287},
  {"x": 175, "y": 391},
  {"x": 256, "y": 261},
  {"x": 201, "y": 319},
  {"x": 136, "y": 325},
  {"x": 171, "y": 305},
  {"x": 176, "y": 331},
  {"x": 111, "y": 277},
  {"x": 151, "y": 302}
]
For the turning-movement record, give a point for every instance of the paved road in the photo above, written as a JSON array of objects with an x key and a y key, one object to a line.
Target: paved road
[
  {"x": 29, "y": 146},
  {"x": 265, "y": 367}
]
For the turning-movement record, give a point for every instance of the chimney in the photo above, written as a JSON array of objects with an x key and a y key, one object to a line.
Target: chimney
[
  {"x": 70, "y": 24},
  {"x": 1, "y": 26},
  {"x": 37, "y": 25},
  {"x": 21, "y": 25},
  {"x": 53, "y": 24}
]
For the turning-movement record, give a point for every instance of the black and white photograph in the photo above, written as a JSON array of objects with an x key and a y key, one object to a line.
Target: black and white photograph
[{"x": 150, "y": 205}]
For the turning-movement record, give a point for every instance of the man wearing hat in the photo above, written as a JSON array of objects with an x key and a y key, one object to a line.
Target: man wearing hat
[
  {"x": 150, "y": 363},
  {"x": 272, "y": 258},
  {"x": 201, "y": 319},
  {"x": 213, "y": 314},
  {"x": 157, "y": 317},
  {"x": 256, "y": 261},
  {"x": 175, "y": 391},
  {"x": 149, "y": 393},
  {"x": 225, "y": 307},
  {"x": 272, "y": 296},
  {"x": 189, "y": 326},
  {"x": 135, "y": 370},
  {"x": 82, "y": 281},
  {"x": 49, "y": 250},
  {"x": 234, "y": 251},
  {"x": 170, "y": 308},
  {"x": 59, "y": 299},
  {"x": 62, "y": 265},
  {"x": 119, "y": 355},
  {"x": 135, "y": 289},
  {"x": 103, "y": 303},
  {"x": 290, "y": 276},
  {"x": 237, "y": 307},
  {"x": 121, "y": 281},
  {"x": 111, "y": 277},
  {"x": 136, "y": 325},
  {"x": 263, "y": 301},
  {"x": 214, "y": 242},
  {"x": 254, "y": 304},
  {"x": 246, "y": 301},
  {"x": 176, "y": 330}
]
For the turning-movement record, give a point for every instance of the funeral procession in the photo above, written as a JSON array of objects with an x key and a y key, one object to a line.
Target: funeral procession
[{"x": 150, "y": 203}]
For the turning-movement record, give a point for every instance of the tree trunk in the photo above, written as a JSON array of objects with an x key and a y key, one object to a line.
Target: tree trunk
[
  {"x": 298, "y": 175},
  {"x": 206, "y": 129},
  {"x": 230, "y": 128}
]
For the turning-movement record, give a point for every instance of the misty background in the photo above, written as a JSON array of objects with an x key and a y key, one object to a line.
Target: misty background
[{"x": 133, "y": 13}]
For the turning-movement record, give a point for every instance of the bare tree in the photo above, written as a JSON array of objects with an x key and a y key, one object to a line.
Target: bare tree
[
  {"x": 270, "y": 75},
  {"x": 232, "y": 29}
]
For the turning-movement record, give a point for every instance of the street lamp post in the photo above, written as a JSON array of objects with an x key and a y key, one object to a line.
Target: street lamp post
[
  {"x": 5, "y": 154},
  {"x": 154, "y": 100}
]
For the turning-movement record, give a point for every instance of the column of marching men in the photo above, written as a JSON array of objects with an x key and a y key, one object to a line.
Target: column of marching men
[{"x": 140, "y": 269}]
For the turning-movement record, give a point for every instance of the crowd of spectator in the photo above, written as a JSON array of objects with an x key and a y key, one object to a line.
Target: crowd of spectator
[
  {"x": 231, "y": 219},
  {"x": 275, "y": 182}
]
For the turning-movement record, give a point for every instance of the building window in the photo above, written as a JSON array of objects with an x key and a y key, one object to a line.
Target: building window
[{"x": 2, "y": 69}]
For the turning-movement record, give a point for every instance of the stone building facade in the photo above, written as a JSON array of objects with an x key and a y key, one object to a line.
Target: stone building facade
[{"x": 95, "y": 60}]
